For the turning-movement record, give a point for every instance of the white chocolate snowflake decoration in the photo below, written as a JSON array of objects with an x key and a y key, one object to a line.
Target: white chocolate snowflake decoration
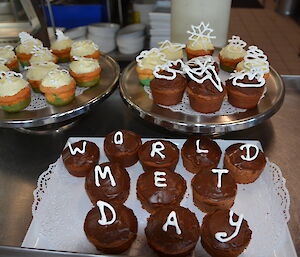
[
  {"x": 236, "y": 44},
  {"x": 60, "y": 35},
  {"x": 254, "y": 73},
  {"x": 174, "y": 47},
  {"x": 168, "y": 66},
  {"x": 25, "y": 38},
  {"x": 205, "y": 60},
  {"x": 255, "y": 58},
  {"x": 153, "y": 53},
  {"x": 200, "y": 32}
]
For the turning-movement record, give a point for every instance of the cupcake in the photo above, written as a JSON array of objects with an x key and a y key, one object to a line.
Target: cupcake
[
  {"x": 245, "y": 88},
  {"x": 255, "y": 58},
  {"x": 158, "y": 155},
  {"x": 37, "y": 72},
  {"x": 122, "y": 147},
  {"x": 223, "y": 233},
  {"x": 160, "y": 189},
  {"x": 80, "y": 158},
  {"x": 24, "y": 50},
  {"x": 172, "y": 231},
  {"x": 85, "y": 48},
  {"x": 59, "y": 87},
  {"x": 3, "y": 68},
  {"x": 9, "y": 58},
  {"x": 169, "y": 84},
  {"x": 85, "y": 71},
  {"x": 42, "y": 54},
  {"x": 199, "y": 42},
  {"x": 232, "y": 54},
  {"x": 205, "y": 90},
  {"x": 172, "y": 51},
  {"x": 61, "y": 47},
  {"x": 14, "y": 92},
  {"x": 200, "y": 153},
  {"x": 245, "y": 161},
  {"x": 108, "y": 182},
  {"x": 146, "y": 63},
  {"x": 111, "y": 227},
  {"x": 213, "y": 189}
]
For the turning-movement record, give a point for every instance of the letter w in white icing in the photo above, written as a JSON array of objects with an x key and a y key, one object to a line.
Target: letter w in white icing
[
  {"x": 74, "y": 151},
  {"x": 99, "y": 173},
  {"x": 103, "y": 219},
  {"x": 157, "y": 147},
  {"x": 172, "y": 221}
]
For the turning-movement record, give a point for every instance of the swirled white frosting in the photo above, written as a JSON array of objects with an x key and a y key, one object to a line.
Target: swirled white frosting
[
  {"x": 11, "y": 85},
  {"x": 173, "y": 51},
  {"x": 7, "y": 52},
  {"x": 57, "y": 78},
  {"x": 28, "y": 46},
  {"x": 84, "y": 65},
  {"x": 38, "y": 71},
  {"x": 61, "y": 44},
  {"x": 83, "y": 48}
]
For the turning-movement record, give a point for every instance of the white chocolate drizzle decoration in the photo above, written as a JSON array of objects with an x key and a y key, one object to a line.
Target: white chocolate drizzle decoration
[
  {"x": 78, "y": 45},
  {"x": 253, "y": 73},
  {"x": 169, "y": 45},
  {"x": 159, "y": 181},
  {"x": 40, "y": 50},
  {"x": 60, "y": 35},
  {"x": 198, "y": 149},
  {"x": 52, "y": 74},
  {"x": 77, "y": 149},
  {"x": 154, "y": 52},
  {"x": 26, "y": 38},
  {"x": 199, "y": 32},
  {"x": 222, "y": 236},
  {"x": 118, "y": 138},
  {"x": 255, "y": 57},
  {"x": 172, "y": 221},
  {"x": 236, "y": 44},
  {"x": 10, "y": 74},
  {"x": 157, "y": 147},
  {"x": 99, "y": 173},
  {"x": 168, "y": 67},
  {"x": 77, "y": 58},
  {"x": 248, "y": 157},
  {"x": 206, "y": 59},
  {"x": 220, "y": 172},
  {"x": 103, "y": 219}
]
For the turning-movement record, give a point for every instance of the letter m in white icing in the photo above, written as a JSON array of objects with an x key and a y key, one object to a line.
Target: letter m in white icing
[{"x": 99, "y": 173}]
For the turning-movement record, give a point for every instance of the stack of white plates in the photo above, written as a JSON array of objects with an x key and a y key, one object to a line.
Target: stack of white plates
[
  {"x": 130, "y": 39},
  {"x": 78, "y": 33}
]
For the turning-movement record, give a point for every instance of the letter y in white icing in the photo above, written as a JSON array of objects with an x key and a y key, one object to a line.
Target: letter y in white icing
[
  {"x": 172, "y": 221},
  {"x": 103, "y": 219},
  {"x": 118, "y": 138},
  {"x": 220, "y": 173},
  {"x": 99, "y": 173},
  {"x": 158, "y": 180},
  {"x": 77, "y": 150},
  {"x": 157, "y": 147},
  {"x": 248, "y": 157}
]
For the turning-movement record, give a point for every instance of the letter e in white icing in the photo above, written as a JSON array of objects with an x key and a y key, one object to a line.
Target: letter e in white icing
[
  {"x": 248, "y": 157},
  {"x": 198, "y": 150},
  {"x": 222, "y": 236},
  {"x": 220, "y": 173},
  {"x": 77, "y": 150},
  {"x": 158, "y": 180},
  {"x": 99, "y": 173},
  {"x": 172, "y": 221},
  {"x": 118, "y": 138},
  {"x": 157, "y": 147},
  {"x": 103, "y": 219}
]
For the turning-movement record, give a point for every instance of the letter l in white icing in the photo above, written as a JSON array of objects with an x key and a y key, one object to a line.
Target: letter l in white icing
[
  {"x": 198, "y": 150},
  {"x": 248, "y": 157},
  {"x": 118, "y": 138},
  {"x": 103, "y": 174},
  {"x": 157, "y": 147},
  {"x": 172, "y": 221},
  {"x": 77, "y": 150},
  {"x": 220, "y": 173},
  {"x": 158, "y": 179},
  {"x": 103, "y": 219}
]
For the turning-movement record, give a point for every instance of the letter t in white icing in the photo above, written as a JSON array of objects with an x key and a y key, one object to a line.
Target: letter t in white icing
[
  {"x": 103, "y": 219},
  {"x": 158, "y": 180},
  {"x": 248, "y": 157},
  {"x": 77, "y": 150},
  {"x": 118, "y": 138},
  {"x": 172, "y": 221},
  {"x": 198, "y": 150},
  {"x": 220, "y": 173},
  {"x": 157, "y": 147},
  {"x": 99, "y": 173}
]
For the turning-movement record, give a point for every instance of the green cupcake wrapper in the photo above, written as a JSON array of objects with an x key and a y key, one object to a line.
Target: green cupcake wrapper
[
  {"x": 88, "y": 83},
  {"x": 24, "y": 63},
  {"x": 60, "y": 102},
  {"x": 145, "y": 82},
  {"x": 17, "y": 107},
  {"x": 63, "y": 59},
  {"x": 227, "y": 68},
  {"x": 36, "y": 90}
]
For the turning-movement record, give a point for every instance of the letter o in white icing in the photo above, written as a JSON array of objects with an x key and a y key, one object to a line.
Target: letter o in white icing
[{"x": 118, "y": 138}]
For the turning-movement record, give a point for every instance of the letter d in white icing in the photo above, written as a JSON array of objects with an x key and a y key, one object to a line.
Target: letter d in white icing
[
  {"x": 99, "y": 173},
  {"x": 248, "y": 157},
  {"x": 118, "y": 138},
  {"x": 158, "y": 179},
  {"x": 172, "y": 221},
  {"x": 157, "y": 147},
  {"x": 103, "y": 219}
]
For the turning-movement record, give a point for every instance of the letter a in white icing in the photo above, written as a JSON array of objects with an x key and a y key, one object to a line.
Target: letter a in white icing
[
  {"x": 220, "y": 173},
  {"x": 77, "y": 150},
  {"x": 157, "y": 147},
  {"x": 118, "y": 138},
  {"x": 103, "y": 219},
  {"x": 222, "y": 236},
  {"x": 248, "y": 157},
  {"x": 158, "y": 180},
  {"x": 172, "y": 221},
  {"x": 103, "y": 174},
  {"x": 198, "y": 150}
]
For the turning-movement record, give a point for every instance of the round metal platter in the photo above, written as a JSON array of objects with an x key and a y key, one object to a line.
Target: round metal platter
[
  {"x": 136, "y": 98},
  {"x": 50, "y": 115}
]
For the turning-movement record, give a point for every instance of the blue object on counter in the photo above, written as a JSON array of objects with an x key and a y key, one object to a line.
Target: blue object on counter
[{"x": 70, "y": 16}]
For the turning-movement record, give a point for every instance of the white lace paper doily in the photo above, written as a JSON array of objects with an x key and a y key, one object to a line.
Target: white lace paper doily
[{"x": 61, "y": 204}]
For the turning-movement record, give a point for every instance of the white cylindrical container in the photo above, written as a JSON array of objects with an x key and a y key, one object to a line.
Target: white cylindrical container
[{"x": 191, "y": 12}]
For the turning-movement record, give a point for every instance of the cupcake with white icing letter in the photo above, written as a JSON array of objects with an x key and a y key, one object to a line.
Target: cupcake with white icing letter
[
  {"x": 85, "y": 71},
  {"x": 85, "y": 48},
  {"x": 9, "y": 58},
  {"x": 42, "y": 54},
  {"x": 14, "y": 92},
  {"x": 61, "y": 47}
]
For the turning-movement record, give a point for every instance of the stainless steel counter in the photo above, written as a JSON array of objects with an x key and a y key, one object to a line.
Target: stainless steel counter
[{"x": 23, "y": 157}]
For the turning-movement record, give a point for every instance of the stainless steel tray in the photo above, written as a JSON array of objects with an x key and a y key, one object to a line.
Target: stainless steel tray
[
  {"x": 82, "y": 103},
  {"x": 136, "y": 98}
]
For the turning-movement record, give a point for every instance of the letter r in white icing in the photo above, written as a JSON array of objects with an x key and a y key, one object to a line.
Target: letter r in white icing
[
  {"x": 99, "y": 173},
  {"x": 103, "y": 219},
  {"x": 158, "y": 180},
  {"x": 220, "y": 173},
  {"x": 248, "y": 157},
  {"x": 118, "y": 138},
  {"x": 198, "y": 150},
  {"x": 157, "y": 147},
  {"x": 77, "y": 150},
  {"x": 172, "y": 221}
]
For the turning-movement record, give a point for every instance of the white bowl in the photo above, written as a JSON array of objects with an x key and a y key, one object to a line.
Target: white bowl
[
  {"x": 130, "y": 31},
  {"x": 103, "y": 28},
  {"x": 133, "y": 47},
  {"x": 76, "y": 32}
]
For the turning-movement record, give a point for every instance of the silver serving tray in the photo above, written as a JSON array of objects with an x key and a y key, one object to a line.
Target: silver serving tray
[
  {"x": 136, "y": 98},
  {"x": 81, "y": 104}
]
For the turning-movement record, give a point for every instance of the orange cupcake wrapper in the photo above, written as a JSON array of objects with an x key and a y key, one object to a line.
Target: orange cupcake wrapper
[
  {"x": 63, "y": 89},
  {"x": 195, "y": 53},
  {"x": 84, "y": 77},
  {"x": 230, "y": 62},
  {"x": 12, "y": 64},
  {"x": 63, "y": 96},
  {"x": 16, "y": 98},
  {"x": 23, "y": 56},
  {"x": 35, "y": 83},
  {"x": 62, "y": 53},
  {"x": 96, "y": 55}
]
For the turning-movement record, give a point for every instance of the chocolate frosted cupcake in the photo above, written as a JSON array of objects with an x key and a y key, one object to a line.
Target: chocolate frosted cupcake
[
  {"x": 245, "y": 88},
  {"x": 200, "y": 153},
  {"x": 158, "y": 154},
  {"x": 108, "y": 182},
  {"x": 112, "y": 228},
  {"x": 160, "y": 189},
  {"x": 173, "y": 231},
  {"x": 223, "y": 233},
  {"x": 169, "y": 84},
  {"x": 122, "y": 146},
  {"x": 81, "y": 157},
  {"x": 245, "y": 162},
  {"x": 214, "y": 189}
]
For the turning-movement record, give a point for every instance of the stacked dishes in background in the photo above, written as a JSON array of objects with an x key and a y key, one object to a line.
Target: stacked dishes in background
[{"x": 78, "y": 33}]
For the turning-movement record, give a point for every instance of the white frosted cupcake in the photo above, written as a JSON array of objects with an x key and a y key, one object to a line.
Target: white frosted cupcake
[
  {"x": 61, "y": 47},
  {"x": 3, "y": 68},
  {"x": 9, "y": 58},
  {"x": 85, "y": 48},
  {"x": 173, "y": 51},
  {"x": 42, "y": 54}
]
